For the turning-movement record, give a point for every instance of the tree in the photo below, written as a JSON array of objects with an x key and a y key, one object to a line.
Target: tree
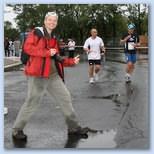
[
  {"x": 138, "y": 14},
  {"x": 76, "y": 20},
  {"x": 10, "y": 32}
]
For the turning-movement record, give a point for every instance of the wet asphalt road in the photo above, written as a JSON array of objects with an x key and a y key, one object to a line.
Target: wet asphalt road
[{"x": 120, "y": 110}]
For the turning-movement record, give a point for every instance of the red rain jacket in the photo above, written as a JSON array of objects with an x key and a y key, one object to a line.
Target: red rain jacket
[{"x": 39, "y": 63}]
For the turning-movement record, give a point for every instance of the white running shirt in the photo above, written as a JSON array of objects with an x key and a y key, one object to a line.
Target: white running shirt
[
  {"x": 71, "y": 45},
  {"x": 95, "y": 45}
]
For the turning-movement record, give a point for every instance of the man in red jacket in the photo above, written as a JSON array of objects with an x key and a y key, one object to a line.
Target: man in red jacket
[{"x": 44, "y": 70}]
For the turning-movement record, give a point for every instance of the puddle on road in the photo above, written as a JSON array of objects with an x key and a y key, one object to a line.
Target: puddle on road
[
  {"x": 99, "y": 140},
  {"x": 113, "y": 97}
]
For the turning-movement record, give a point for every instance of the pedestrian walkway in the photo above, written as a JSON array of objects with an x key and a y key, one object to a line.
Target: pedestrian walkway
[{"x": 11, "y": 62}]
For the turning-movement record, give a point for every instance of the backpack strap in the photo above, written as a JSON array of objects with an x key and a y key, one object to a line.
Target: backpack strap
[
  {"x": 42, "y": 32},
  {"x": 39, "y": 32}
]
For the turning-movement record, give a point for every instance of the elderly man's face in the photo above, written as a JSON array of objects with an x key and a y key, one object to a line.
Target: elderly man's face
[
  {"x": 50, "y": 22},
  {"x": 130, "y": 31},
  {"x": 93, "y": 32}
]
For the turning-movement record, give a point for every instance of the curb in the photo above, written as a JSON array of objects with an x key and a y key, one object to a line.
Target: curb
[{"x": 12, "y": 66}]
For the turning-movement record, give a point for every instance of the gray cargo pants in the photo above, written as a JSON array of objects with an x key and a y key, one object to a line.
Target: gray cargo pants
[{"x": 36, "y": 89}]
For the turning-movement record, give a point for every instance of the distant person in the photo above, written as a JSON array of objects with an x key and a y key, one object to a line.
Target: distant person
[
  {"x": 94, "y": 46},
  {"x": 71, "y": 48},
  {"x": 6, "y": 46},
  {"x": 62, "y": 47},
  {"x": 11, "y": 47},
  {"x": 44, "y": 71},
  {"x": 130, "y": 41},
  {"x": 17, "y": 47}
]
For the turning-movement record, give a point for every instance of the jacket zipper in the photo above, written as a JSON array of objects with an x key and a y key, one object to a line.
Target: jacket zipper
[
  {"x": 43, "y": 66},
  {"x": 44, "y": 60}
]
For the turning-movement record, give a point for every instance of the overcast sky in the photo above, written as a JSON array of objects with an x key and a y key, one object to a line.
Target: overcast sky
[{"x": 9, "y": 15}]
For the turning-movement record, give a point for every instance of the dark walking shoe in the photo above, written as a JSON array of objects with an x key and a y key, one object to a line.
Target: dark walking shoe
[
  {"x": 73, "y": 140},
  {"x": 19, "y": 135},
  {"x": 78, "y": 131}
]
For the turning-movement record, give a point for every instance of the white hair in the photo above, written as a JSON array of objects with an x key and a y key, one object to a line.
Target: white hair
[{"x": 54, "y": 14}]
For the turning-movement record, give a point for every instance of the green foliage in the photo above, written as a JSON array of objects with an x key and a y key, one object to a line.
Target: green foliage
[
  {"x": 10, "y": 32},
  {"x": 76, "y": 20}
]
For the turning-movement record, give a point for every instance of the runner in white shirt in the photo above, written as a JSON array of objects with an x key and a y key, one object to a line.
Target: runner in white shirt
[
  {"x": 71, "y": 48},
  {"x": 94, "y": 46}
]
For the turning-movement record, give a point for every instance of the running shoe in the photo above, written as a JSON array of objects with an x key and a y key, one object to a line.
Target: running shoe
[
  {"x": 19, "y": 135},
  {"x": 91, "y": 80},
  {"x": 127, "y": 78}
]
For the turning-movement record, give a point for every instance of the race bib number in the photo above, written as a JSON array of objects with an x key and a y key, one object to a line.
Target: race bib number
[{"x": 131, "y": 46}]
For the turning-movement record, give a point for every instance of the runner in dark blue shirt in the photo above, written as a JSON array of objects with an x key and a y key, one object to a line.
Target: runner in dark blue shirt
[{"x": 131, "y": 41}]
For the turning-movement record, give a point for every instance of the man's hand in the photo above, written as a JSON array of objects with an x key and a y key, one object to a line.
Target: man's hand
[
  {"x": 103, "y": 50},
  {"x": 125, "y": 39},
  {"x": 136, "y": 45},
  {"x": 88, "y": 51},
  {"x": 76, "y": 59},
  {"x": 53, "y": 52}
]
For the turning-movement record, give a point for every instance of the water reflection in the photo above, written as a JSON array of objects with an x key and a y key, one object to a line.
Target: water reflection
[
  {"x": 19, "y": 144},
  {"x": 99, "y": 140}
]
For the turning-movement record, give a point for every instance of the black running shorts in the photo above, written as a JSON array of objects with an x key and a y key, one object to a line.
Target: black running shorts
[{"x": 94, "y": 62}]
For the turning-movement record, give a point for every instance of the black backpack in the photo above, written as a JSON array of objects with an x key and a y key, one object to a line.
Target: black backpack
[{"x": 24, "y": 56}]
